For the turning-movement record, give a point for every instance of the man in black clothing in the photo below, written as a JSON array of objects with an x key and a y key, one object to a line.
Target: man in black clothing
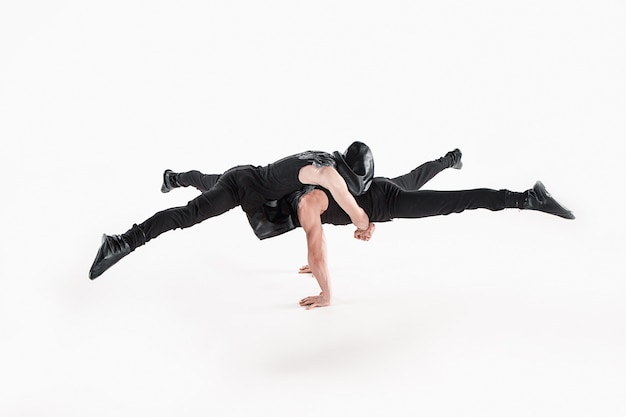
[{"x": 384, "y": 200}]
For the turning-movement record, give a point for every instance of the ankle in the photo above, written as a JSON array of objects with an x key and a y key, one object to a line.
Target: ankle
[
  {"x": 174, "y": 179},
  {"x": 453, "y": 159},
  {"x": 135, "y": 237},
  {"x": 514, "y": 199}
]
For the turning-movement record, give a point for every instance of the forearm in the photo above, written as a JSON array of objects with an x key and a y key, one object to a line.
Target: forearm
[
  {"x": 319, "y": 268},
  {"x": 358, "y": 216},
  {"x": 309, "y": 212},
  {"x": 333, "y": 182},
  {"x": 360, "y": 219}
]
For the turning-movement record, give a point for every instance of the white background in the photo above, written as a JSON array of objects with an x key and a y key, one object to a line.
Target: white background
[{"x": 475, "y": 314}]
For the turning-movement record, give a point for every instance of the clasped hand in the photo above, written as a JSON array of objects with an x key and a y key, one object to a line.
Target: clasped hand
[{"x": 365, "y": 234}]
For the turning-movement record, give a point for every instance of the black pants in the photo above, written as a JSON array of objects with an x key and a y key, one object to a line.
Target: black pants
[
  {"x": 215, "y": 199},
  {"x": 416, "y": 179},
  {"x": 408, "y": 202},
  {"x": 203, "y": 182},
  {"x": 244, "y": 185},
  {"x": 415, "y": 204}
]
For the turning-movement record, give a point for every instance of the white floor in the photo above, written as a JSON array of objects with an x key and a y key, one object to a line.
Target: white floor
[{"x": 475, "y": 314}]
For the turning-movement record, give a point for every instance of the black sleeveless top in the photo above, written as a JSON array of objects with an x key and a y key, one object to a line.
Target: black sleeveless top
[{"x": 261, "y": 191}]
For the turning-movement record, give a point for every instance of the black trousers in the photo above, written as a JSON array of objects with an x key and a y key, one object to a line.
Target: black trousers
[
  {"x": 403, "y": 204},
  {"x": 404, "y": 199},
  {"x": 416, "y": 179},
  {"x": 215, "y": 199},
  {"x": 244, "y": 185},
  {"x": 196, "y": 179}
]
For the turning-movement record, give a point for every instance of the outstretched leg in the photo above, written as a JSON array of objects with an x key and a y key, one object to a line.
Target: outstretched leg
[
  {"x": 214, "y": 202},
  {"x": 196, "y": 179},
  {"x": 416, "y": 179},
  {"x": 416, "y": 204}
]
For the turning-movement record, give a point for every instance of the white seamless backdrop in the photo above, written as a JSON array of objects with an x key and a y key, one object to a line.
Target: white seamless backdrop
[{"x": 475, "y": 314}]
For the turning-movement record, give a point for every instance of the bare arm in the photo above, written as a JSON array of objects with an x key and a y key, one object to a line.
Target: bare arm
[
  {"x": 311, "y": 207},
  {"x": 329, "y": 178},
  {"x": 364, "y": 235}
]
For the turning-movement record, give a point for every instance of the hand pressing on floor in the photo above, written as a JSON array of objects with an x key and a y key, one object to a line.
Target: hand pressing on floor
[{"x": 315, "y": 301}]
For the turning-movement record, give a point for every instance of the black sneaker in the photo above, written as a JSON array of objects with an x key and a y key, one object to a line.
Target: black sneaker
[
  {"x": 169, "y": 181},
  {"x": 113, "y": 249},
  {"x": 540, "y": 199},
  {"x": 455, "y": 158}
]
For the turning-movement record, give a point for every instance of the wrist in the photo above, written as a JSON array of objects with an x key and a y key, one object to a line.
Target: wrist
[
  {"x": 361, "y": 221},
  {"x": 365, "y": 229}
]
